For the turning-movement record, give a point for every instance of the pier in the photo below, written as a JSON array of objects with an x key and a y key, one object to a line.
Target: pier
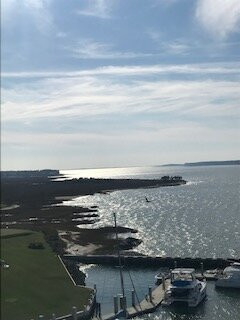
[
  {"x": 152, "y": 261},
  {"x": 148, "y": 305}
]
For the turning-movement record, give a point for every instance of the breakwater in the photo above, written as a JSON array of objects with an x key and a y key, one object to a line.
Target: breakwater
[{"x": 152, "y": 261}]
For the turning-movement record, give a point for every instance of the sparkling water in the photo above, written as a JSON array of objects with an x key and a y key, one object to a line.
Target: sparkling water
[{"x": 199, "y": 219}]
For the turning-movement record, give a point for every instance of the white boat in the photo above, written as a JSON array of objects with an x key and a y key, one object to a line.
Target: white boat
[
  {"x": 230, "y": 277},
  {"x": 184, "y": 288}
]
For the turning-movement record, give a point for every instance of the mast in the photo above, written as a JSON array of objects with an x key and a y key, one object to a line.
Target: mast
[{"x": 119, "y": 257}]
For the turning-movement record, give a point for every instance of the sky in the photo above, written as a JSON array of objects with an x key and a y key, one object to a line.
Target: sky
[{"x": 114, "y": 83}]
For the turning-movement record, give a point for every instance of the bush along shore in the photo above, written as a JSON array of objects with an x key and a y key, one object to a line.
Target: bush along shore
[{"x": 34, "y": 202}]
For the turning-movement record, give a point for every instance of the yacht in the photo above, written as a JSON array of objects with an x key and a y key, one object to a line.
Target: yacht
[
  {"x": 184, "y": 288},
  {"x": 230, "y": 277}
]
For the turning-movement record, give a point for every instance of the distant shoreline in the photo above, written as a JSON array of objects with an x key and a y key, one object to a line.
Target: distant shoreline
[
  {"x": 203, "y": 163},
  {"x": 57, "y": 172}
]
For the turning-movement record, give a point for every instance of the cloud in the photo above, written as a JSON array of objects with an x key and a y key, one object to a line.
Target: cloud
[
  {"x": 103, "y": 94},
  {"x": 35, "y": 11},
  {"x": 219, "y": 17},
  {"x": 198, "y": 70},
  {"x": 61, "y": 34},
  {"x": 144, "y": 133},
  {"x": 176, "y": 47},
  {"x": 140, "y": 108},
  {"x": 98, "y": 8},
  {"x": 89, "y": 49}
]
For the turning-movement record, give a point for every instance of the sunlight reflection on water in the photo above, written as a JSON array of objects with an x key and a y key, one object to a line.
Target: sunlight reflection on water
[{"x": 197, "y": 219}]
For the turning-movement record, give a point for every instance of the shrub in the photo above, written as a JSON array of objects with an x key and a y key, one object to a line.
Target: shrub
[{"x": 36, "y": 245}]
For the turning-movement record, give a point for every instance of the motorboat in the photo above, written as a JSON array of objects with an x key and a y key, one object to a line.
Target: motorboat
[
  {"x": 184, "y": 288},
  {"x": 230, "y": 277},
  {"x": 211, "y": 275}
]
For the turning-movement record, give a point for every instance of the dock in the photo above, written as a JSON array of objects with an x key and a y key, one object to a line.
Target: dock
[{"x": 146, "y": 306}]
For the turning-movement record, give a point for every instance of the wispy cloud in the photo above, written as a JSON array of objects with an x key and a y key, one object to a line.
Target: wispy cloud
[
  {"x": 61, "y": 34},
  {"x": 175, "y": 47},
  {"x": 87, "y": 109},
  {"x": 36, "y": 11},
  {"x": 98, "y": 8},
  {"x": 89, "y": 49},
  {"x": 103, "y": 94},
  {"x": 207, "y": 69},
  {"x": 219, "y": 17}
]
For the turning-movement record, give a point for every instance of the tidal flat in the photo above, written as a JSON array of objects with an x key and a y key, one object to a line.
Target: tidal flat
[{"x": 36, "y": 203}]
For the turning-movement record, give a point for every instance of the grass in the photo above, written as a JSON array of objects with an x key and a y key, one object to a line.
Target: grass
[
  {"x": 36, "y": 282},
  {"x": 11, "y": 233}
]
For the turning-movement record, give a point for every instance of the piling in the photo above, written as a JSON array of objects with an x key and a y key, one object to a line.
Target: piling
[
  {"x": 202, "y": 268},
  {"x": 133, "y": 298},
  {"x": 99, "y": 310},
  {"x": 115, "y": 300},
  {"x": 123, "y": 303},
  {"x": 74, "y": 313},
  {"x": 163, "y": 282},
  {"x": 53, "y": 316},
  {"x": 150, "y": 293}
]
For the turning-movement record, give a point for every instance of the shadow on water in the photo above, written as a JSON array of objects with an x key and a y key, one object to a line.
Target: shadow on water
[
  {"x": 229, "y": 293},
  {"x": 180, "y": 311}
]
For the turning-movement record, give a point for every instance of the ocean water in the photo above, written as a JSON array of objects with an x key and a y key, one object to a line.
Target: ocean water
[{"x": 201, "y": 218}]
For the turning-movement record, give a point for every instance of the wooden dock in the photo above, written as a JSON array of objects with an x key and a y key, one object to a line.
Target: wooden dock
[{"x": 146, "y": 306}]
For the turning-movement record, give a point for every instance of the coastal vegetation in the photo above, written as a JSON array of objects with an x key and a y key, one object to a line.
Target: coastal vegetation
[
  {"x": 35, "y": 281},
  {"x": 34, "y": 201}
]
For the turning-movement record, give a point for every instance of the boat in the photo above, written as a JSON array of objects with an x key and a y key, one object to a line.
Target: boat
[
  {"x": 230, "y": 278},
  {"x": 184, "y": 288},
  {"x": 211, "y": 275}
]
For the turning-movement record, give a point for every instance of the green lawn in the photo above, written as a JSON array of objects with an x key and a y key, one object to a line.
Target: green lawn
[
  {"x": 8, "y": 233},
  {"x": 36, "y": 282}
]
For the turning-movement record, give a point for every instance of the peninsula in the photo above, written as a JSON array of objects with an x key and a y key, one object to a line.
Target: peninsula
[{"x": 34, "y": 201}]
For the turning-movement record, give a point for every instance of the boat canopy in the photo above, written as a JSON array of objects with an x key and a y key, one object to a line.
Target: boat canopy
[{"x": 232, "y": 269}]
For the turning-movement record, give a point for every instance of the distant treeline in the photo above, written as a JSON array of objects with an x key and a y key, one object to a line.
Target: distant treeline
[
  {"x": 29, "y": 174},
  {"x": 204, "y": 163},
  {"x": 213, "y": 163}
]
